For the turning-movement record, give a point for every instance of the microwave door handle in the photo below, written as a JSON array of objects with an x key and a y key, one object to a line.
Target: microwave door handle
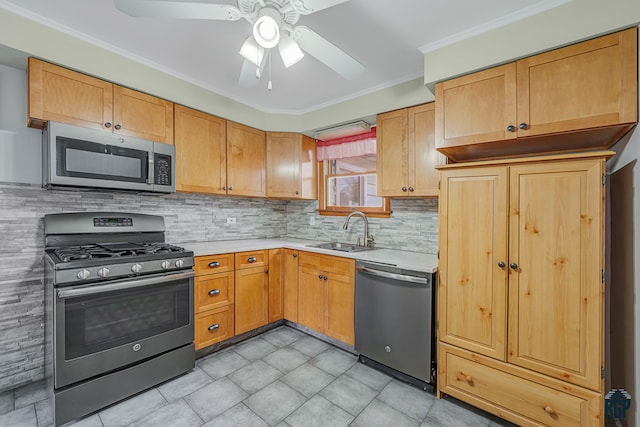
[{"x": 150, "y": 171}]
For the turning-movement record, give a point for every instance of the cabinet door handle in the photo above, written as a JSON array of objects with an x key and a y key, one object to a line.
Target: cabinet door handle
[
  {"x": 224, "y": 187},
  {"x": 523, "y": 126},
  {"x": 214, "y": 264},
  {"x": 214, "y": 292},
  {"x": 295, "y": 255},
  {"x": 513, "y": 266},
  {"x": 469, "y": 378},
  {"x": 411, "y": 189},
  {"x": 213, "y": 327},
  {"x": 118, "y": 127},
  {"x": 511, "y": 128},
  {"x": 107, "y": 125},
  {"x": 501, "y": 264},
  {"x": 324, "y": 277},
  {"x": 320, "y": 276},
  {"x": 266, "y": 272},
  {"x": 230, "y": 188},
  {"x": 549, "y": 410},
  {"x": 297, "y": 192},
  {"x": 404, "y": 189},
  {"x": 252, "y": 259}
]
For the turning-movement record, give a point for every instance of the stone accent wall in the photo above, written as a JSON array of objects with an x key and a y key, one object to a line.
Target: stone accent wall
[
  {"x": 188, "y": 218},
  {"x": 413, "y": 225}
]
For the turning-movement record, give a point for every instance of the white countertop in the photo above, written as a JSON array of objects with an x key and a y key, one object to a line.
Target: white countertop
[{"x": 417, "y": 261}]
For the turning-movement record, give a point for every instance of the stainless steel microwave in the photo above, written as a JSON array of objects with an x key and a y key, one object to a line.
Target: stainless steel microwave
[{"x": 79, "y": 157}]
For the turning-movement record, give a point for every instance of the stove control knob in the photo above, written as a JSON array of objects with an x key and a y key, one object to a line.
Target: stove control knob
[
  {"x": 165, "y": 265},
  {"x": 179, "y": 263},
  {"x": 103, "y": 272},
  {"x": 83, "y": 274},
  {"x": 136, "y": 268}
]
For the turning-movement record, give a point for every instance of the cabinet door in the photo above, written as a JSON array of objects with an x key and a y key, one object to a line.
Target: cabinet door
[
  {"x": 251, "y": 299},
  {"x": 476, "y": 108},
  {"x": 291, "y": 285},
  {"x": 392, "y": 150},
  {"x": 246, "y": 161},
  {"x": 422, "y": 153},
  {"x": 65, "y": 96},
  {"x": 283, "y": 165},
  {"x": 276, "y": 275},
  {"x": 141, "y": 115},
  {"x": 472, "y": 297},
  {"x": 556, "y": 290},
  {"x": 339, "y": 291},
  {"x": 213, "y": 291},
  {"x": 586, "y": 85},
  {"x": 308, "y": 169},
  {"x": 201, "y": 151},
  {"x": 310, "y": 298}
]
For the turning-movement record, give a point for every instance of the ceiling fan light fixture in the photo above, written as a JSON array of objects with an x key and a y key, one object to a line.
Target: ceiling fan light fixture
[
  {"x": 266, "y": 29},
  {"x": 289, "y": 50},
  {"x": 252, "y": 51}
]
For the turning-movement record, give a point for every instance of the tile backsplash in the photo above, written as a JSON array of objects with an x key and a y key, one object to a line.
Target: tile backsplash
[{"x": 188, "y": 218}]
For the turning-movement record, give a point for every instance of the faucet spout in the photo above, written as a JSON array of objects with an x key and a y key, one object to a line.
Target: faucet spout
[{"x": 367, "y": 238}]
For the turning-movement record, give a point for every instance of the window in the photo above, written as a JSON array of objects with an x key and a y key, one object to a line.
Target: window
[{"x": 348, "y": 184}]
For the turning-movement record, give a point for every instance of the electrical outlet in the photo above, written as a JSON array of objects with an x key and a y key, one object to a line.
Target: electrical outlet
[
  {"x": 312, "y": 220},
  {"x": 231, "y": 220}
]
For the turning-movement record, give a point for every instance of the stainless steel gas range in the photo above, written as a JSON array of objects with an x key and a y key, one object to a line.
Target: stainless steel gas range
[{"x": 119, "y": 303}]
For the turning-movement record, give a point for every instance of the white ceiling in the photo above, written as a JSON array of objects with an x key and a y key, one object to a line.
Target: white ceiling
[{"x": 387, "y": 37}]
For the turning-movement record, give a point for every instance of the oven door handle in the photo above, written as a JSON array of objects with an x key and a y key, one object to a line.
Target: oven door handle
[{"x": 128, "y": 284}]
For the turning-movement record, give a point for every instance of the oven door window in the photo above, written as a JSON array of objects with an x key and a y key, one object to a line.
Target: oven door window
[
  {"x": 100, "y": 322},
  {"x": 85, "y": 159}
]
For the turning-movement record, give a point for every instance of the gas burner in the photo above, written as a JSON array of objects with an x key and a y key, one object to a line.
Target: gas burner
[{"x": 113, "y": 250}]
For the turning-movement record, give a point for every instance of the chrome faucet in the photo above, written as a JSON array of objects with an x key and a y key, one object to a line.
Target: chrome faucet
[{"x": 367, "y": 238}]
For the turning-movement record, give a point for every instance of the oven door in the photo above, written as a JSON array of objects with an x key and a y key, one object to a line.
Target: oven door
[{"x": 103, "y": 327}]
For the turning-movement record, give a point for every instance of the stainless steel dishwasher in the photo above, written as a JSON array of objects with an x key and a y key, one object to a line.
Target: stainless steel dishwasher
[{"x": 394, "y": 321}]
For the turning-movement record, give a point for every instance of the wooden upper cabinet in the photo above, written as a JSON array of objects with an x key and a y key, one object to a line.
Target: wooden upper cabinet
[
  {"x": 406, "y": 154},
  {"x": 292, "y": 168},
  {"x": 141, "y": 115},
  {"x": 580, "y": 97},
  {"x": 201, "y": 151},
  {"x": 246, "y": 161},
  {"x": 66, "y": 96}
]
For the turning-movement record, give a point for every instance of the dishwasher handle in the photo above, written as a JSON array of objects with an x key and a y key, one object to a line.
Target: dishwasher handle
[{"x": 394, "y": 276}]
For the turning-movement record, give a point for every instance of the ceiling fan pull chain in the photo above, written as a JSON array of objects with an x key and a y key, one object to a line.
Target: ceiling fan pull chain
[{"x": 269, "y": 85}]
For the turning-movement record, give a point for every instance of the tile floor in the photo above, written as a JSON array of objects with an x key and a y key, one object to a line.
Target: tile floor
[{"x": 281, "y": 378}]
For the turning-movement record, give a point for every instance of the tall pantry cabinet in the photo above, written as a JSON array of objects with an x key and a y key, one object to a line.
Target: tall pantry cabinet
[{"x": 521, "y": 292}]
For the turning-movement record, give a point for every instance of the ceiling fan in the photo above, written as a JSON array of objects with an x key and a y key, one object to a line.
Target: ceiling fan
[{"x": 273, "y": 25}]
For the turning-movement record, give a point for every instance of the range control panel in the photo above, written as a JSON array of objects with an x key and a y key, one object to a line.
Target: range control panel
[{"x": 113, "y": 222}]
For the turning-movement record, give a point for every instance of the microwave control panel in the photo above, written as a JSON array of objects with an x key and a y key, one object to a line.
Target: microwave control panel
[{"x": 162, "y": 169}]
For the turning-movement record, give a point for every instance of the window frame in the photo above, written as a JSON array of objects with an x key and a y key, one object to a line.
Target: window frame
[{"x": 380, "y": 212}]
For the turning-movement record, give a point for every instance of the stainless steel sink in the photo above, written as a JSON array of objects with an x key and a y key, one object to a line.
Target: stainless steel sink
[{"x": 342, "y": 247}]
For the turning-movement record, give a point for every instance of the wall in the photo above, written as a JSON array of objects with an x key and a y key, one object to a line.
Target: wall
[{"x": 623, "y": 279}]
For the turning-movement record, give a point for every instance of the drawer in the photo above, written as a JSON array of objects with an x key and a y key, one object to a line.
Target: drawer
[
  {"x": 509, "y": 393},
  {"x": 213, "y": 291},
  {"x": 213, "y": 326},
  {"x": 213, "y": 264},
  {"x": 252, "y": 259},
  {"x": 328, "y": 263}
]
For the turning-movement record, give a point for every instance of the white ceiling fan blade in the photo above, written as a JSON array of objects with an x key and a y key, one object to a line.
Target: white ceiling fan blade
[
  {"x": 178, "y": 9},
  {"x": 248, "y": 75},
  {"x": 306, "y": 7},
  {"x": 327, "y": 53}
]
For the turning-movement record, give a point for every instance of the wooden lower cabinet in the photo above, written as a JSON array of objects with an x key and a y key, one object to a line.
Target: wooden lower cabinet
[
  {"x": 520, "y": 397},
  {"x": 290, "y": 285},
  {"x": 252, "y": 290},
  {"x": 520, "y": 292},
  {"x": 276, "y": 288},
  {"x": 214, "y": 294},
  {"x": 326, "y": 287}
]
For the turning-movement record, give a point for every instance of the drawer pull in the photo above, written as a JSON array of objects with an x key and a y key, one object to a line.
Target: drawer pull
[
  {"x": 214, "y": 292},
  {"x": 549, "y": 410},
  {"x": 214, "y": 264},
  {"x": 469, "y": 378},
  {"x": 252, "y": 259},
  {"x": 213, "y": 327}
]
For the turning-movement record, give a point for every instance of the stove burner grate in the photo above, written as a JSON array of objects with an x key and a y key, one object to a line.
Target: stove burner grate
[{"x": 113, "y": 250}]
